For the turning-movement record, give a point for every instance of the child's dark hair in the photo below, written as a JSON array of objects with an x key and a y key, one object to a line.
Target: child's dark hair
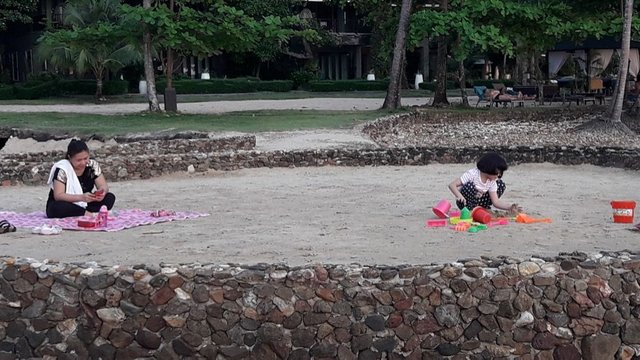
[
  {"x": 492, "y": 164},
  {"x": 75, "y": 147}
]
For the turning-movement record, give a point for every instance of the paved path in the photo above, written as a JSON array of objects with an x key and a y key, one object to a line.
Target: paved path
[{"x": 217, "y": 107}]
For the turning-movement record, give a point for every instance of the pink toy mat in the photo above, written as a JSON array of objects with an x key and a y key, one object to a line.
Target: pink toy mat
[{"x": 118, "y": 220}]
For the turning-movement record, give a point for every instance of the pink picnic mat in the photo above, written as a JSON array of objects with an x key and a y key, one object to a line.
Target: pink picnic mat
[{"x": 118, "y": 219}]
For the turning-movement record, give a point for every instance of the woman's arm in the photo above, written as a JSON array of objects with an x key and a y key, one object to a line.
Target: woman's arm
[{"x": 60, "y": 194}]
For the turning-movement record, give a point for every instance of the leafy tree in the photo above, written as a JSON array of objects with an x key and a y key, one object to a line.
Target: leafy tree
[
  {"x": 480, "y": 26},
  {"x": 278, "y": 24},
  {"x": 17, "y": 11},
  {"x": 149, "y": 73},
  {"x": 92, "y": 40},
  {"x": 190, "y": 28}
]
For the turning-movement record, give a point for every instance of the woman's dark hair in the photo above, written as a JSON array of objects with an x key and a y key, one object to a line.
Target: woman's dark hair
[
  {"x": 75, "y": 147},
  {"x": 492, "y": 164}
]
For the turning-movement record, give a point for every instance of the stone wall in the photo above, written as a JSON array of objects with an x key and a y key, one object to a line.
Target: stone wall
[
  {"x": 142, "y": 161},
  {"x": 567, "y": 307}
]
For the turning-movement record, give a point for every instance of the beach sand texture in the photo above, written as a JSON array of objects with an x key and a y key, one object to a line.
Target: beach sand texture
[{"x": 367, "y": 215}]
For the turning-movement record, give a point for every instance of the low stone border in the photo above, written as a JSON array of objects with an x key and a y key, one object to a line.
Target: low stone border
[
  {"x": 130, "y": 164},
  {"x": 569, "y": 307}
]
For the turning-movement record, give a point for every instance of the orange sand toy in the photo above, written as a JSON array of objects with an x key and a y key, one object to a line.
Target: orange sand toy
[
  {"x": 526, "y": 219},
  {"x": 462, "y": 226}
]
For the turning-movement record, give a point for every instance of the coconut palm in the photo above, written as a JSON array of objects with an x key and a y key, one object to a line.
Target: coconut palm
[{"x": 91, "y": 40}]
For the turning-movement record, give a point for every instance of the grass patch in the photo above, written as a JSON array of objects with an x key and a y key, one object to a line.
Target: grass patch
[
  {"x": 249, "y": 121},
  {"x": 185, "y": 98}
]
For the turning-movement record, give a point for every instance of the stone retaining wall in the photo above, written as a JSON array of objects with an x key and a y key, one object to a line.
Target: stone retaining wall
[
  {"x": 146, "y": 161},
  {"x": 567, "y": 307}
]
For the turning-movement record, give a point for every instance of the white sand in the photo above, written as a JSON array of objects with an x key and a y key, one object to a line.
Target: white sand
[{"x": 337, "y": 215}]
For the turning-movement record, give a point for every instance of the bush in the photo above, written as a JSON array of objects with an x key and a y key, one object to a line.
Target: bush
[
  {"x": 225, "y": 86},
  {"x": 6, "y": 92},
  {"x": 88, "y": 87},
  {"x": 348, "y": 85},
  {"x": 115, "y": 87},
  {"x": 275, "y": 85},
  {"x": 489, "y": 83},
  {"x": 431, "y": 85},
  {"x": 36, "y": 90},
  {"x": 301, "y": 78}
]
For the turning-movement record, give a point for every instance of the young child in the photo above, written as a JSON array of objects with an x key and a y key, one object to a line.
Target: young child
[{"x": 483, "y": 186}]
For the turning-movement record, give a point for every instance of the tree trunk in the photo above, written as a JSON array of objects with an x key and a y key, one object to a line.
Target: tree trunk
[
  {"x": 392, "y": 100},
  {"x": 612, "y": 120},
  {"x": 168, "y": 72},
  {"x": 615, "y": 111},
  {"x": 440, "y": 95},
  {"x": 462, "y": 79},
  {"x": 149, "y": 75},
  {"x": 99, "y": 96}
]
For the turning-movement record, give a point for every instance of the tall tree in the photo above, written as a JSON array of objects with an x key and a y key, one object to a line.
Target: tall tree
[
  {"x": 440, "y": 94},
  {"x": 392, "y": 100},
  {"x": 149, "y": 74},
  {"x": 16, "y": 11},
  {"x": 92, "y": 40},
  {"x": 611, "y": 121}
]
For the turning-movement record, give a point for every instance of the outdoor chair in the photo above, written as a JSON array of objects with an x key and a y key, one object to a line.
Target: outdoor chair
[{"x": 551, "y": 93}]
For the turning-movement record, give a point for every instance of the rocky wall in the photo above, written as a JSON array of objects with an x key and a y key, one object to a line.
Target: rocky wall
[
  {"x": 569, "y": 307},
  {"x": 146, "y": 162}
]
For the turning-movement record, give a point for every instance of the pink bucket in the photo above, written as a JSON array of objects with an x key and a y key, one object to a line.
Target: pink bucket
[{"x": 442, "y": 209}]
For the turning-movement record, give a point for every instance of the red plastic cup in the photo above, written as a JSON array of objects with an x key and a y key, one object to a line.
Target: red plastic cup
[
  {"x": 442, "y": 209},
  {"x": 481, "y": 215}
]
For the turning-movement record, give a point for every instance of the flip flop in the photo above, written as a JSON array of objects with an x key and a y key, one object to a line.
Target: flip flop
[{"x": 6, "y": 227}]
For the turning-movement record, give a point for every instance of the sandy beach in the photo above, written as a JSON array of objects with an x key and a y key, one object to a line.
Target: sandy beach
[{"x": 367, "y": 215}]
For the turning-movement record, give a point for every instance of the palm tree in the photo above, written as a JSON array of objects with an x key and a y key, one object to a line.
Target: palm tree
[{"x": 91, "y": 40}]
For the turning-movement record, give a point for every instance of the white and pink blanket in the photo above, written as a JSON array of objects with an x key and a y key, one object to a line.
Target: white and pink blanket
[{"x": 118, "y": 220}]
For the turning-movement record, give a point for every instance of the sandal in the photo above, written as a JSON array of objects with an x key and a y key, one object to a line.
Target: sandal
[{"x": 6, "y": 227}]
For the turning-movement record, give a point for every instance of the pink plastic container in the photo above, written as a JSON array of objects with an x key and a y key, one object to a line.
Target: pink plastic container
[
  {"x": 442, "y": 209},
  {"x": 436, "y": 223}
]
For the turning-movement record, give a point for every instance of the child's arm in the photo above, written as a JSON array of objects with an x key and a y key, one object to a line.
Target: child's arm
[
  {"x": 454, "y": 186},
  {"x": 503, "y": 205}
]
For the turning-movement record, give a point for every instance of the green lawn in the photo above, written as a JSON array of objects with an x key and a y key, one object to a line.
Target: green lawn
[
  {"x": 136, "y": 98},
  {"x": 249, "y": 121}
]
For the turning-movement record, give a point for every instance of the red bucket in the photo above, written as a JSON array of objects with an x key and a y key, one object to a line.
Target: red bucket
[
  {"x": 481, "y": 215},
  {"x": 623, "y": 211}
]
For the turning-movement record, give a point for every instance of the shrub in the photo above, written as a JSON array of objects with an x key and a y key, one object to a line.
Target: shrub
[
  {"x": 36, "y": 90},
  {"x": 115, "y": 87},
  {"x": 302, "y": 77},
  {"x": 489, "y": 83},
  {"x": 88, "y": 87},
  {"x": 225, "y": 86},
  {"x": 275, "y": 85},
  {"x": 6, "y": 92},
  {"x": 431, "y": 85},
  {"x": 348, "y": 85}
]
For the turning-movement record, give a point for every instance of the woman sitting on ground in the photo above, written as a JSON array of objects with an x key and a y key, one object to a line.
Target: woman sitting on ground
[{"x": 72, "y": 182}]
